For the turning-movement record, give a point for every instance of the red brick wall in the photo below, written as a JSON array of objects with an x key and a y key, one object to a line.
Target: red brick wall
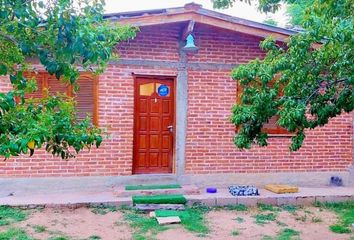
[
  {"x": 221, "y": 46},
  {"x": 209, "y": 135},
  {"x": 210, "y": 147},
  {"x": 114, "y": 157},
  {"x": 154, "y": 43}
]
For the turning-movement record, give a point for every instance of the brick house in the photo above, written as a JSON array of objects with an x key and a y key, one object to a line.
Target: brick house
[{"x": 166, "y": 110}]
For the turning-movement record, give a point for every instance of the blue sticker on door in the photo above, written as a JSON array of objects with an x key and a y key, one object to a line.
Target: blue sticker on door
[{"x": 163, "y": 90}]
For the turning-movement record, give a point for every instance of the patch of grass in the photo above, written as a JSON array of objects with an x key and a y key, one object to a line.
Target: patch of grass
[
  {"x": 316, "y": 220},
  {"x": 262, "y": 219},
  {"x": 235, "y": 233},
  {"x": 301, "y": 218},
  {"x": 14, "y": 234},
  {"x": 118, "y": 223},
  {"x": 103, "y": 209},
  {"x": 267, "y": 207},
  {"x": 9, "y": 215},
  {"x": 192, "y": 218},
  {"x": 308, "y": 212},
  {"x": 345, "y": 212},
  {"x": 266, "y": 237},
  {"x": 142, "y": 225},
  {"x": 290, "y": 208},
  {"x": 59, "y": 238},
  {"x": 285, "y": 234},
  {"x": 239, "y": 219},
  {"x": 160, "y": 199},
  {"x": 281, "y": 224},
  {"x": 338, "y": 228},
  {"x": 237, "y": 207},
  {"x": 151, "y": 187},
  {"x": 39, "y": 228},
  {"x": 94, "y": 237}
]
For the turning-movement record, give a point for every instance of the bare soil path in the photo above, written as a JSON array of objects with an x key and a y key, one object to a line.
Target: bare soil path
[{"x": 263, "y": 223}]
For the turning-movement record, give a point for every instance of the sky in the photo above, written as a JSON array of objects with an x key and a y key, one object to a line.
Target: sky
[{"x": 240, "y": 9}]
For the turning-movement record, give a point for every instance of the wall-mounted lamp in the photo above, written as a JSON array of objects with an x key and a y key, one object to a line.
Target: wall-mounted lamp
[{"x": 190, "y": 46}]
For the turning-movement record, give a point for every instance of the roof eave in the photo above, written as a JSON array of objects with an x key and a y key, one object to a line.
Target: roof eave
[{"x": 204, "y": 16}]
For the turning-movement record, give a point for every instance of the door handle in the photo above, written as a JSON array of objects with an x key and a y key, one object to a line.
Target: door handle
[{"x": 170, "y": 128}]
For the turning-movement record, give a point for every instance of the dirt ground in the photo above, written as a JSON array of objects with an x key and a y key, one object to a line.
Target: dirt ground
[{"x": 310, "y": 223}]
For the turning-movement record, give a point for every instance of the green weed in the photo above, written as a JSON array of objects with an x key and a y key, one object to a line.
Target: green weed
[
  {"x": 142, "y": 225},
  {"x": 103, "y": 209},
  {"x": 345, "y": 212},
  {"x": 94, "y": 237},
  {"x": 308, "y": 212},
  {"x": 281, "y": 224},
  {"x": 14, "y": 234},
  {"x": 290, "y": 208},
  {"x": 59, "y": 238},
  {"x": 285, "y": 234},
  {"x": 302, "y": 218},
  {"x": 239, "y": 219},
  {"x": 9, "y": 215},
  {"x": 267, "y": 207},
  {"x": 39, "y": 228},
  {"x": 235, "y": 233},
  {"x": 262, "y": 219},
  {"x": 237, "y": 207},
  {"x": 316, "y": 220},
  {"x": 338, "y": 228},
  {"x": 192, "y": 218}
]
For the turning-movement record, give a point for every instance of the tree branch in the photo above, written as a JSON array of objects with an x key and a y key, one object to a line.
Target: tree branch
[{"x": 7, "y": 37}]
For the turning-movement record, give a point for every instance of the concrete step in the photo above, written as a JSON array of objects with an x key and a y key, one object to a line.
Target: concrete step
[
  {"x": 185, "y": 190},
  {"x": 305, "y": 196}
]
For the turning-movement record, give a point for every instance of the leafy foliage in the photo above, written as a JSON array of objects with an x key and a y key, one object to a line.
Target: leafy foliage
[
  {"x": 270, "y": 21},
  {"x": 65, "y": 36},
  {"x": 263, "y": 5},
  {"x": 296, "y": 11},
  {"x": 305, "y": 81}
]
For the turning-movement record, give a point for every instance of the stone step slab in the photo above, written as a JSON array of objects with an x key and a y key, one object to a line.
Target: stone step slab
[
  {"x": 185, "y": 190},
  {"x": 153, "y": 207}
]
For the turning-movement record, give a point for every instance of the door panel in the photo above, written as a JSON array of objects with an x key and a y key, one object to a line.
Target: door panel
[{"x": 153, "y": 126}]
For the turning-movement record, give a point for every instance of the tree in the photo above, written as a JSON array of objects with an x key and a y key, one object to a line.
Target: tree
[
  {"x": 64, "y": 35},
  {"x": 305, "y": 81},
  {"x": 270, "y": 21},
  {"x": 296, "y": 11}
]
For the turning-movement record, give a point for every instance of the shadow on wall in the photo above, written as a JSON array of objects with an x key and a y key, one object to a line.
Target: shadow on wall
[{"x": 351, "y": 175}]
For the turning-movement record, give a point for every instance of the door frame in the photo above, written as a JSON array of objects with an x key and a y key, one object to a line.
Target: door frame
[{"x": 157, "y": 77}]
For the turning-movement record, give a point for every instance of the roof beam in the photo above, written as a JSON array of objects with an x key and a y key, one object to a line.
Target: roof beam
[
  {"x": 188, "y": 30},
  {"x": 151, "y": 20}
]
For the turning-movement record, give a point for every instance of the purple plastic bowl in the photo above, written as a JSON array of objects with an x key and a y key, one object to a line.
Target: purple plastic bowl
[{"x": 211, "y": 190}]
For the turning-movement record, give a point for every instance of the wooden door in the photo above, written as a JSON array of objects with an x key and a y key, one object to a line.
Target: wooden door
[{"x": 153, "y": 125}]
